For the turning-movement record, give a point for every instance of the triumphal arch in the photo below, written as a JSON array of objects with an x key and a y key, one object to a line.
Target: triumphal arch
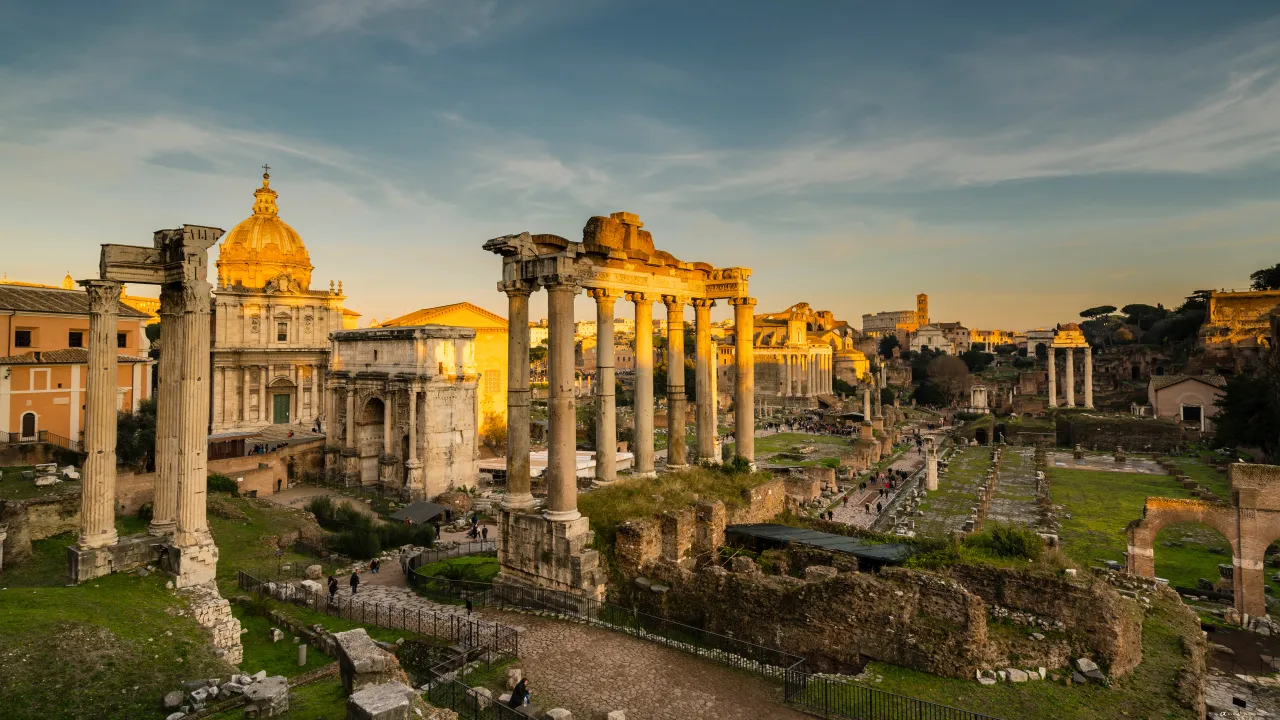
[
  {"x": 1250, "y": 523},
  {"x": 616, "y": 259}
]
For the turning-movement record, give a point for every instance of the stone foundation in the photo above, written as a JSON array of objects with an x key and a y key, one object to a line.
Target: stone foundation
[
  {"x": 194, "y": 565},
  {"x": 128, "y": 553},
  {"x": 36, "y": 519},
  {"x": 537, "y": 553},
  {"x": 213, "y": 613}
]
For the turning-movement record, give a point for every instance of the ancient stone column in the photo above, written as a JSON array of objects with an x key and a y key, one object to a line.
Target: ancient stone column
[
  {"x": 245, "y": 379},
  {"x": 744, "y": 398},
  {"x": 606, "y": 413},
  {"x": 788, "y": 361},
  {"x": 866, "y": 404},
  {"x": 562, "y": 425},
  {"x": 644, "y": 384},
  {"x": 193, "y": 436},
  {"x": 931, "y": 465},
  {"x": 315, "y": 391},
  {"x": 677, "y": 456},
  {"x": 98, "y": 493},
  {"x": 705, "y": 361},
  {"x": 386, "y": 425},
  {"x": 263, "y": 372},
  {"x": 1088, "y": 378},
  {"x": 330, "y": 412},
  {"x": 518, "y": 483},
  {"x": 413, "y": 466},
  {"x": 1053, "y": 377},
  {"x": 164, "y": 518},
  {"x": 1071, "y": 377},
  {"x": 350, "y": 391}
]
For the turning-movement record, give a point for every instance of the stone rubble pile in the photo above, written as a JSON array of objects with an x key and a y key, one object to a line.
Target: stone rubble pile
[
  {"x": 999, "y": 612},
  {"x": 196, "y": 695},
  {"x": 213, "y": 613}
]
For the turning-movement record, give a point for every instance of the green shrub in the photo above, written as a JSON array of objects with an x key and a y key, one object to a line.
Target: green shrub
[
  {"x": 833, "y": 463},
  {"x": 1007, "y": 541},
  {"x": 321, "y": 506},
  {"x": 223, "y": 484},
  {"x": 145, "y": 513}
]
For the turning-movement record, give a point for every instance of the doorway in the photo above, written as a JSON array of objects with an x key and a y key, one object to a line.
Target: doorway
[
  {"x": 29, "y": 426},
  {"x": 280, "y": 409}
]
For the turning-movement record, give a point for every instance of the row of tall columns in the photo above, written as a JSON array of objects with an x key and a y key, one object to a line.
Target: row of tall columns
[
  {"x": 1071, "y": 378},
  {"x": 562, "y": 423},
  {"x": 182, "y": 417},
  {"x": 805, "y": 375}
]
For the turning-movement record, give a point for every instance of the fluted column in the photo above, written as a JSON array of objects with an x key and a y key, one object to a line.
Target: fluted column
[
  {"x": 786, "y": 361},
  {"x": 744, "y": 399},
  {"x": 677, "y": 455},
  {"x": 644, "y": 384},
  {"x": 1071, "y": 377},
  {"x": 866, "y": 404},
  {"x": 193, "y": 438},
  {"x": 351, "y": 414},
  {"x": 263, "y": 416},
  {"x": 1053, "y": 377},
  {"x": 1088, "y": 378},
  {"x": 164, "y": 517},
  {"x": 705, "y": 361},
  {"x": 606, "y": 438},
  {"x": 330, "y": 412},
  {"x": 562, "y": 425},
  {"x": 98, "y": 493},
  {"x": 245, "y": 381},
  {"x": 518, "y": 483},
  {"x": 386, "y": 425}
]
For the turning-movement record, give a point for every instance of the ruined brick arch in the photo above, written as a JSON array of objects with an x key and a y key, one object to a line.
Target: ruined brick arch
[{"x": 1250, "y": 524}]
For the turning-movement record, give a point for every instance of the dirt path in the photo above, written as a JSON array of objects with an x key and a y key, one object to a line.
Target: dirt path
[{"x": 590, "y": 671}]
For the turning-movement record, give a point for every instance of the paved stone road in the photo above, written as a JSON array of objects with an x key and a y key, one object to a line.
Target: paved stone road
[{"x": 590, "y": 671}]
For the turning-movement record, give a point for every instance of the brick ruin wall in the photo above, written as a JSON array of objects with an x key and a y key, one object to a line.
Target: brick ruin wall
[
  {"x": 1146, "y": 435},
  {"x": 36, "y": 519}
]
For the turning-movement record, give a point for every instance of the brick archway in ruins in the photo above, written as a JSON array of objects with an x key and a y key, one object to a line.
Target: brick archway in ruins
[{"x": 1250, "y": 524}]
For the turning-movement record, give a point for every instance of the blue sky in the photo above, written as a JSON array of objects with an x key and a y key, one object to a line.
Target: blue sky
[{"x": 1017, "y": 161}]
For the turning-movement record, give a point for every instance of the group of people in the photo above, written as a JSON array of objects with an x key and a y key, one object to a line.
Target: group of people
[{"x": 354, "y": 581}]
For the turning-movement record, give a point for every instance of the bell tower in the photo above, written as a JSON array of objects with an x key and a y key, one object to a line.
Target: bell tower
[{"x": 922, "y": 310}]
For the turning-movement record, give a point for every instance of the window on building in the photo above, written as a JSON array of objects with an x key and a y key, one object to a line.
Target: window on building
[
  {"x": 122, "y": 340},
  {"x": 282, "y": 332},
  {"x": 1191, "y": 413},
  {"x": 75, "y": 339},
  {"x": 22, "y": 338}
]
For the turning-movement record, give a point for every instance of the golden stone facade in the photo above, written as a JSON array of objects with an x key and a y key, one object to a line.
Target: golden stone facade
[{"x": 271, "y": 330}]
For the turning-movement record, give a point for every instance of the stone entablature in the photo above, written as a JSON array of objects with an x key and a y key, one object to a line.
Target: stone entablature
[
  {"x": 404, "y": 409},
  {"x": 1069, "y": 337}
]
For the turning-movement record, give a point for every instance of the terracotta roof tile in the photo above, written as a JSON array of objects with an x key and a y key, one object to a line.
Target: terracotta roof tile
[
  {"x": 1164, "y": 381},
  {"x": 70, "y": 356},
  {"x": 24, "y": 298}
]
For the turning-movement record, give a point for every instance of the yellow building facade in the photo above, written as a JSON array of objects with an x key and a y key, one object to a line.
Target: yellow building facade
[
  {"x": 44, "y": 355},
  {"x": 491, "y": 350}
]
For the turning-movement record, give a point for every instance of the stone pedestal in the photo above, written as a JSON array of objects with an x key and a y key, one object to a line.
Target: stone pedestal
[
  {"x": 414, "y": 481},
  {"x": 194, "y": 564},
  {"x": 267, "y": 698},
  {"x": 546, "y": 554},
  {"x": 126, "y": 554},
  {"x": 350, "y": 467},
  {"x": 362, "y": 663},
  {"x": 865, "y": 431},
  {"x": 388, "y": 701}
]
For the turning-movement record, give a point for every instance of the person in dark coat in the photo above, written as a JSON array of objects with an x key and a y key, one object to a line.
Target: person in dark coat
[
  {"x": 355, "y": 581},
  {"x": 520, "y": 695},
  {"x": 333, "y": 587}
]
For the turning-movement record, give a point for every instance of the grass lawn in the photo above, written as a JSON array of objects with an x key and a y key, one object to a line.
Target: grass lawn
[
  {"x": 1204, "y": 473},
  {"x": 479, "y": 568},
  {"x": 646, "y": 498},
  {"x": 320, "y": 700},
  {"x": 109, "y": 648},
  {"x": 14, "y": 487},
  {"x": 277, "y": 658},
  {"x": 946, "y": 508},
  {"x": 1147, "y": 693}
]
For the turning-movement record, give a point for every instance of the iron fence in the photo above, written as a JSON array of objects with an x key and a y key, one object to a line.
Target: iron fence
[
  {"x": 470, "y": 632},
  {"x": 471, "y": 547},
  {"x": 834, "y": 697},
  {"x": 42, "y": 436},
  {"x": 469, "y": 704}
]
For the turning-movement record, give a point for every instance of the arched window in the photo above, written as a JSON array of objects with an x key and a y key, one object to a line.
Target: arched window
[{"x": 28, "y": 426}]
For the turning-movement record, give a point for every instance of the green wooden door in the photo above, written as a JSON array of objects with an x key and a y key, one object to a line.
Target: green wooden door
[{"x": 280, "y": 404}]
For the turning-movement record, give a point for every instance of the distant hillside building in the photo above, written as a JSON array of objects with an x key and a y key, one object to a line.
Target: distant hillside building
[
  {"x": 897, "y": 322},
  {"x": 1187, "y": 399}
]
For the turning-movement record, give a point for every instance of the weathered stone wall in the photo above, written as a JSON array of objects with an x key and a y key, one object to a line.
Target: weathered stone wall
[
  {"x": 1147, "y": 434},
  {"x": 1098, "y": 619},
  {"x": 539, "y": 553},
  {"x": 260, "y": 473},
  {"x": 37, "y": 519},
  {"x": 213, "y": 613},
  {"x": 764, "y": 502},
  {"x": 36, "y": 454}
]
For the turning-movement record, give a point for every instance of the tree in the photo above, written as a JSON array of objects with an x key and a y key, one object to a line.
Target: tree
[
  {"x": 950, "y": 375},
  {"x": 1099, "y": 311},
  {"x": 929, "y": 394},
  {"x": 887, "y": 344},
  {"x": 538, "y": 353},
  {"x": 494, "y": 435},
  {"x": 1266, "y": 278},
  {"x": 136, "y": 436},
  {"x": 1249, "y": 412},
  {"x": 976, "y": 360},
  {"x": 1009, "y": 349}
]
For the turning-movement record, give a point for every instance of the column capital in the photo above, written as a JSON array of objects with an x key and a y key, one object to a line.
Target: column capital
[
  {"x": 641, "y": 298},
  {"x": 562, "y": 282},
  {"x": 702, "y": 302},
  {"x": 517, "y": 287},
  {"x": 104, "y": 295},
  {"x": 604, "y": 296},
  {"x": 674, "y": 302},
  {"x": 748, "y": 301}
]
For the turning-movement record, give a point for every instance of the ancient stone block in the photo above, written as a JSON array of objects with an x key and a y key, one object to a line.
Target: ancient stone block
[
  {"x": 386, "y": 701},
  {"x": 559, "y": 714},
  {"x": 361, "y": 662},
  {"x": 818, "y": 573},
  {"x": 267, "y": 698}
]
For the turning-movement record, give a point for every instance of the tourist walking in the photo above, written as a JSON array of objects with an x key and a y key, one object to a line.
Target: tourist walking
[
  {"x": 355, "y": 581},
  {"x": 484, "y": 533},
  {"x": 404, "y": 563},
  {"x": 373, "y": 566},
  {"x": 333, "y": 588}
]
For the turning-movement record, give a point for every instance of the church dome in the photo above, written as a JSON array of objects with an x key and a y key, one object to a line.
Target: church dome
[{"x": 263, "y": 247}]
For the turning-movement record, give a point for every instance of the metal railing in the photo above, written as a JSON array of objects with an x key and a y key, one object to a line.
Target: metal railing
[
  {"x": 471, "y": 632},
  {"x": 835, "y": 697},
  {"x": 469, "y": 704},
  {"x": 42, "y": 436},
  {"x": 819, "y": 694},
  {"x": 471, "y": 547}
]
